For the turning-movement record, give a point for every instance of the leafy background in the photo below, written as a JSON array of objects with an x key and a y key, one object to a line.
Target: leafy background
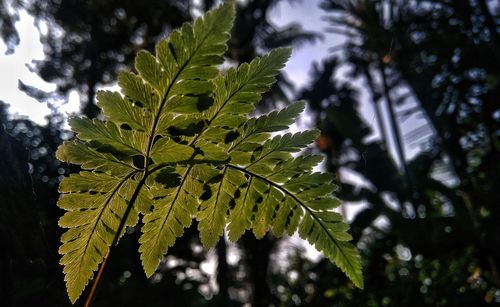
[{"x": 423, "y": 213}]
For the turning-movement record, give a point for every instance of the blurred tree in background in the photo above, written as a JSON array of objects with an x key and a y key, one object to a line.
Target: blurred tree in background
[
  {"x": 427, "y": 225},
  {"x": 426, "y": 189}
]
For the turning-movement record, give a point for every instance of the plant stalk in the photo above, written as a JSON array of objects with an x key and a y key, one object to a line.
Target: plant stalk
[{"x": 100, "y": 273}]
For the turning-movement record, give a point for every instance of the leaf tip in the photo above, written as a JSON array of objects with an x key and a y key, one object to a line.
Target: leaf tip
[
  {"x": 61, "y": 153},
  {"x": 300, "y": 105},
  {"x": 280, "y": 56},
  {"x": 74, "y": 291}
]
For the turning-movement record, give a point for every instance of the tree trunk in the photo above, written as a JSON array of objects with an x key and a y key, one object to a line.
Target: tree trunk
[
  {"x": 257, "y": 258},
  {"x": 223, "y": 275},
  {"x": 90, "y": 108},
  {"x": 396, "y": 134}
]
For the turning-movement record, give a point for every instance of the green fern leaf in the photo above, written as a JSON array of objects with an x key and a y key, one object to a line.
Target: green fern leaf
[
  {"x": 173, "y": 211},
  {"x": 238, "y": 90},
  {"x": 176, "y": 143},
  {"x": 107, "y": 136},
  {"x": 240, "y": 218},
  {"x": 79, "y": 153},
  {"x": 212, "y": 213},
  {"x": 257, "y": 130},
  {"x": 94, "y": 205},
  {"x": 124, "y": 112},
  {"x": 304, "y": 203}
]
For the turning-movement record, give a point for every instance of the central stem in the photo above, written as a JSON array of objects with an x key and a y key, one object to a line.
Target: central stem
[{"x": 123, "y": 221}]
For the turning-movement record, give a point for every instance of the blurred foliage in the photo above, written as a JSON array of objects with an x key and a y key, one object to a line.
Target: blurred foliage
[
  {"x": 8, "y": 18},
  {"x": 428, "y": 225},
  {"x": 427, "y": 228}
]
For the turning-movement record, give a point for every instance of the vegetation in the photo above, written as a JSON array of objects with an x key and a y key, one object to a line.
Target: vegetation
[
  {"x": 177, "y": 145},
  {"x": 406, "y": 104}
]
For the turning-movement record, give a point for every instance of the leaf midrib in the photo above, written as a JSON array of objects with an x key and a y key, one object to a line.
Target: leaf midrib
[
  {"x": 236, "y": 91},
  {"x": 156, "y": 120},
  {"x": 164, "y": 99},
  {"x": 295, "y": 198},
  {"x": 218, "y": 193},
  {"x": 181, "y": 185},
  {"x": 98, "y": 219}
]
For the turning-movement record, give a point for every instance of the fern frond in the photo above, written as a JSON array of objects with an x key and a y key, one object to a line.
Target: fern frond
[
  {"x": 121, "y": 111},
  {"x": 238, "y": 90},
  {"x": 256, "y": 130},
  {"x": 107, "y": 136},
  {"x": 262, "y": 158},
  {"x": 173, "y": 211},
  {"x": 240, "y": 217},
  {"x": 77, "y": 152},
  {"x": 304, "y": 203},
  {"x": 94, "y": 206},
  {"x": 212, "y": 213},
  {"x": 176, "y": 144}
]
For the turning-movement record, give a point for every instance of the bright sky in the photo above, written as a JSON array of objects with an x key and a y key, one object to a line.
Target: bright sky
[{"x": 13, "y": 68}]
